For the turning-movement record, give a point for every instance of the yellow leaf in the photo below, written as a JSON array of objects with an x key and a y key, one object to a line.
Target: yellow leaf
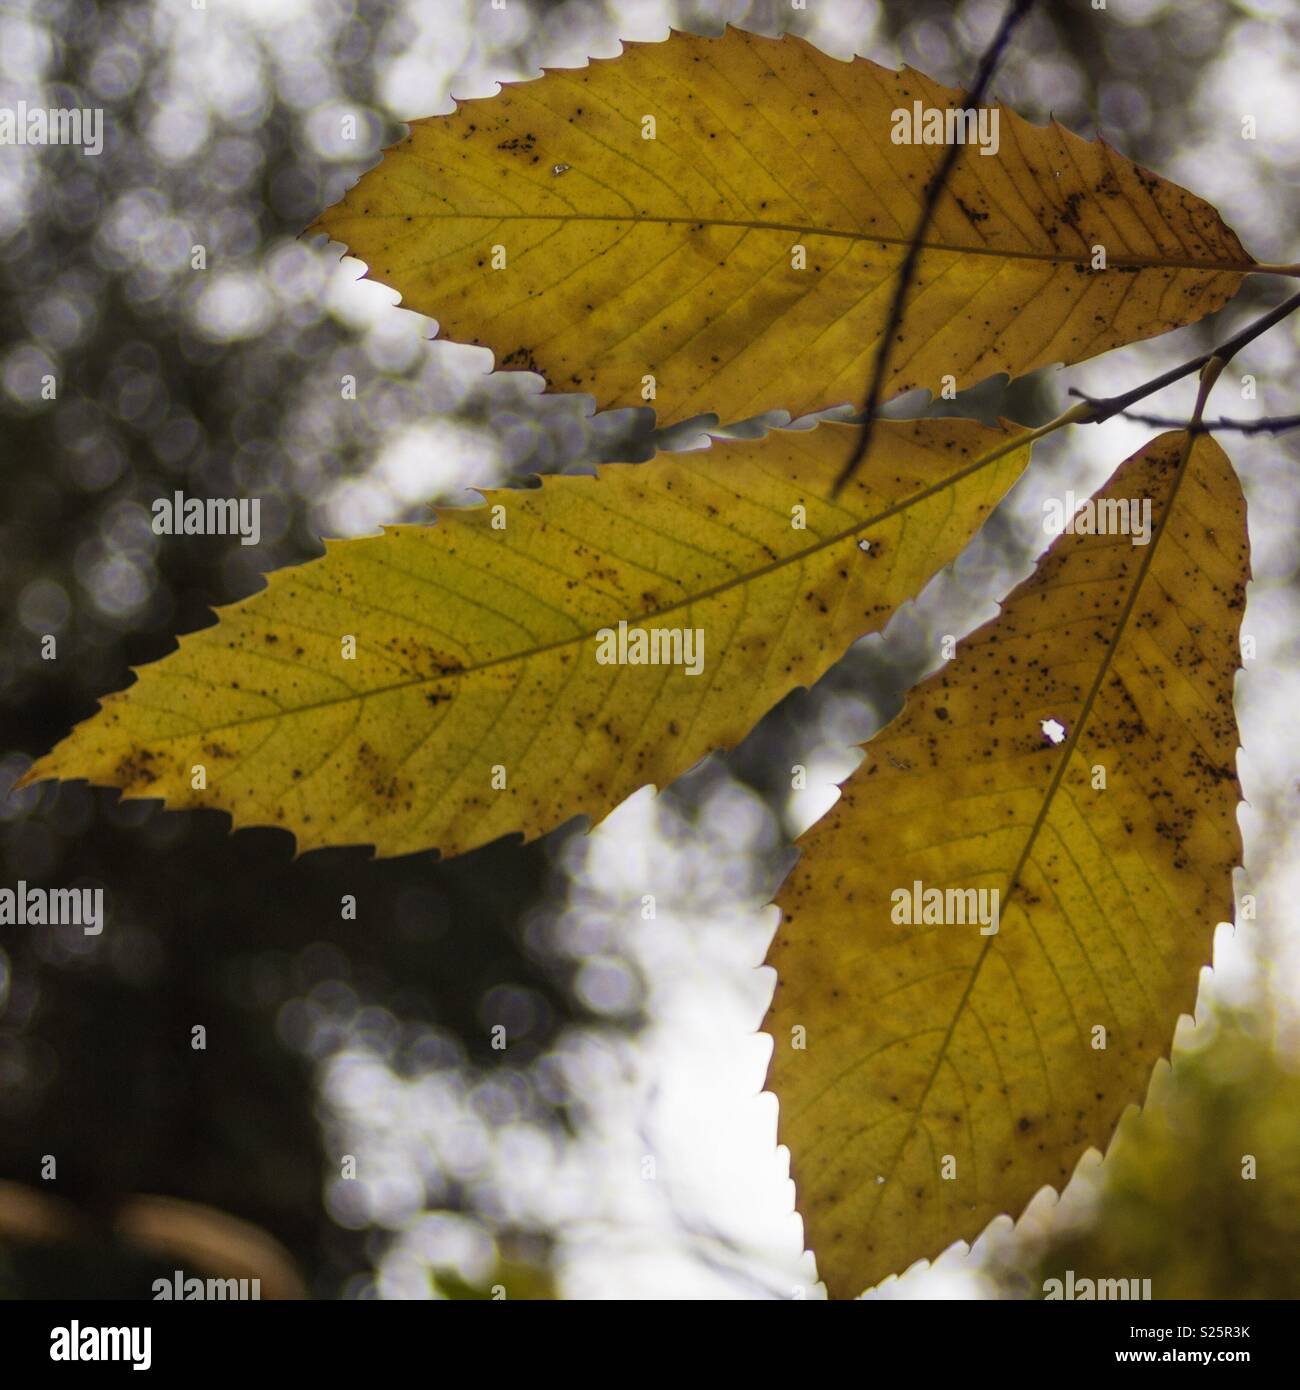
[
  {"x": 926, "y": 1042},
  {"x": 473, "y": 699},
  {"x": 542, "y": 224}
]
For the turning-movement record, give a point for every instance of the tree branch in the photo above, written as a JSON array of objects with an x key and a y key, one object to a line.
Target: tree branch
[
  {"x": 1104, "y": 408},
  {"x": 934, "y": 192},
  {"x": 1278, "y": 424},
  {"x": 1090, "y": 411}
]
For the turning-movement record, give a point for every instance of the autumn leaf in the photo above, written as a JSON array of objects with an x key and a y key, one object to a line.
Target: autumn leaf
[
  {"x": 477, "y": 699},
  {"x": 744, "y": 258},
  {"x": 950, "y": 1071}
]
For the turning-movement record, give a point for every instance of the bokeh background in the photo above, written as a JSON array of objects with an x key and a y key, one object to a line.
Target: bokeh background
[{"x": 631, "y": 1040}]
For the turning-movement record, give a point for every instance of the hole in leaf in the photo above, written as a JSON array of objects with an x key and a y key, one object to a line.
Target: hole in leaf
[{"x": 1053, "y": 730}]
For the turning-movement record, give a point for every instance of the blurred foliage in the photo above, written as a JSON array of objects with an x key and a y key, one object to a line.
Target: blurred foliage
[
  {"x": 1173, "y": 1205},
  {"x": 509, "y": 1280}
]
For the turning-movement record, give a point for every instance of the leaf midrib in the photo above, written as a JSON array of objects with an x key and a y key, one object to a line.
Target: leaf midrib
[
  {"x": 1067, "y": 751},
  {"x": 1082, "y": 257},
  {"x": 1009, "y": 446}
]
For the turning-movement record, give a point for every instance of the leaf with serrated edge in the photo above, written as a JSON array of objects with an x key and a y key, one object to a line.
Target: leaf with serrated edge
[
  {"x": 672, "y": 258},
  {"x": 476, "y": 647},
  {"x": 931, "y": 1041}
]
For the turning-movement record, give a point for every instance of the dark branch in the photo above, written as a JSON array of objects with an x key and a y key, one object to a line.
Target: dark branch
[
  {"x": 1277, "y": 425},
  {"x": 934, "y": 192},
  {"x": 1116, "y": 405}
]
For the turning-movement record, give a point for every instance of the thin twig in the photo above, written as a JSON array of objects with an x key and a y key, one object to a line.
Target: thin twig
[
  {"x": 1090, "y": 411},
  {"x": 1279, "y": 424},
  {"x": 1104, "y": 408},
  {"x": 934, "y": 192}
]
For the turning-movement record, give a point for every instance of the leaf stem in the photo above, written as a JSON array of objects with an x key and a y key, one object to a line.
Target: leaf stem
[{"x": 1209, "y": 375}]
